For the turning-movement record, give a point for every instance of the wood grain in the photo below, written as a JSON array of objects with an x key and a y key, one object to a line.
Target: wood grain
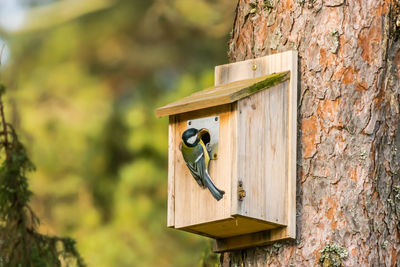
[
  {"x": 171, "y": 171},
  {"x": 253, "y": 68},
  {"x": 249, "y": 240},
  {"x": 257, "y": 145},
  {"x": 262, "y": 154},
  {"x": 194, "y": 205},
  {"x": 222, "y": 94},
  {"x": 234, "y": 226}
]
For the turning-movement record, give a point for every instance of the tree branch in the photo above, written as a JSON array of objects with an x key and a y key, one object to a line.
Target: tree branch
[{"x": 4, "y": 124}]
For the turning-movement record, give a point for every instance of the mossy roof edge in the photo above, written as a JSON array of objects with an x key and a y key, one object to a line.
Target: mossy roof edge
[{"x": 222, "y": 94}]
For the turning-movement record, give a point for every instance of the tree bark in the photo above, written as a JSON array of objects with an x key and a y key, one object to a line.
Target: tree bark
[{"x": 348, "y": 186}]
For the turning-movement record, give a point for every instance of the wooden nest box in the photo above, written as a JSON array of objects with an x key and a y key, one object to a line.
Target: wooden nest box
[{"x": 251, "y": 114}]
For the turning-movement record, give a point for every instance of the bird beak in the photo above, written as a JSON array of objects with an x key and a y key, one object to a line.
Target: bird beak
[
  {"x": 204, "y": 135},
  {"x": 202, "y": 131}
]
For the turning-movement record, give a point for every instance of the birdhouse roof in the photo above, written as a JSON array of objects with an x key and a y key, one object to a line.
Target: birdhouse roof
[{"x": 222, "y": 94}]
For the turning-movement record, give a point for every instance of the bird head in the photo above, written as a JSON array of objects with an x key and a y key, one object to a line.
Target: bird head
[{"x": 190, "y": 138}]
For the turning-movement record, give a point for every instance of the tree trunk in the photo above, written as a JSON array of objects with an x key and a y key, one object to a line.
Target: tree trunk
[{"x": 348, "y": 186}]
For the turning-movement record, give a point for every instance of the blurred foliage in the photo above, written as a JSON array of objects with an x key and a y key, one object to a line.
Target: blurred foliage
[
  {"x": 209, "y": 258},
  {"x": 21, "y": 243},
  {"x": 84, "y": 87}
]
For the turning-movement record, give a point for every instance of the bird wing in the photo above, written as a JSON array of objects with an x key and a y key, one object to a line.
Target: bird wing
[{"x": 197, "y": 169}]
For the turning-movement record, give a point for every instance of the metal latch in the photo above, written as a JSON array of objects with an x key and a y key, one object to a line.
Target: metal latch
[
  {"x": 212, "y": 125},
  {"x": 241, "y": 191}
]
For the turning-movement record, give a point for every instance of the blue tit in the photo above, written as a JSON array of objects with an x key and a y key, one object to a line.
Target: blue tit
[{"x": 197, "y": 159}]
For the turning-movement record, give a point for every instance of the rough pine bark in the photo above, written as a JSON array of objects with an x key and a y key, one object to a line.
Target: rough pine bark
[{"x": 348, "y": 186}]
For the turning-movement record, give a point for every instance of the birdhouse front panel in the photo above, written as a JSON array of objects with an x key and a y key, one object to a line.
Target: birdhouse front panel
[
  {"x": 193, "y": 204},
  {"x": 195, "y": 209}
]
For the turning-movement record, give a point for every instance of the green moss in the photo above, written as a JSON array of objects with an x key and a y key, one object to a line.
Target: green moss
[
  {"x": 397, "y": 191},
  {"x": 269, "y": 81},
  {"x": 253, "y": 7},
  {"x": 332, "y": 255},
  {"x": 334, "y": 40},
  {"x": 276, "y": 245},
  {"x": 269, "y": 4}
]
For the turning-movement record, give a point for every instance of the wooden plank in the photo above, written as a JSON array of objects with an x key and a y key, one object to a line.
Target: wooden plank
[
  {"x": 171, "y": 171},
  {"x": 222, "y": 94},
  {"x": 234, "y": 154},
  {"x": 230, "y": 227},
  {"x": 291, "y": 60},
  {"x": 262, "y": 154},
  {"x": 250, "y": 240},
  {"x": 253, "y": 68},
  {"x": 194, "y": 205}
]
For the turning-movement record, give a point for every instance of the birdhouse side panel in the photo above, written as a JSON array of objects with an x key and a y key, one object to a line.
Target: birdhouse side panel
[
  {"x": 172, "y": 150},
  {"x": 263, "y": 154},
  {"x": 193, "y": 204}
]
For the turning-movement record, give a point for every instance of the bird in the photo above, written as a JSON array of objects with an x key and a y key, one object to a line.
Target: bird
[{"x": 197, "y": 159}]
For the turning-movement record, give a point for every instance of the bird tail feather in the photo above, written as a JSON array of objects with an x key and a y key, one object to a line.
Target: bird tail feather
[{"x": 215, "y": 192}]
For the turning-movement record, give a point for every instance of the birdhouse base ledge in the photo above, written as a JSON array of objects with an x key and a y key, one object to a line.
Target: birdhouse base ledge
[{"x": 251, "y": 240}]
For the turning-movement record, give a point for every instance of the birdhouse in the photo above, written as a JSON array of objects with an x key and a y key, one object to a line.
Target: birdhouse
[{"x": 250, "y": 116}]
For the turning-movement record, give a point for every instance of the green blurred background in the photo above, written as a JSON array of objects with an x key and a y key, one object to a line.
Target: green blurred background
[{"x": 84, "y": 78}]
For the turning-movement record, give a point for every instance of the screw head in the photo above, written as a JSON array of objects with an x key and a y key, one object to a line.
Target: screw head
[{"x": 254, "y": 67}]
